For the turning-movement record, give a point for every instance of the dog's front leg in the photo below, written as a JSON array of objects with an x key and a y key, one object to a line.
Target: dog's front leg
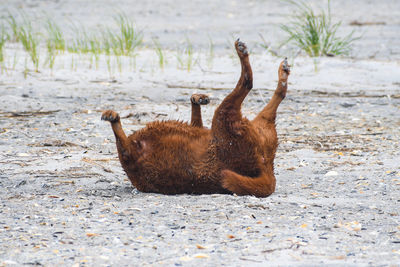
[
  {"x": 197, "y": 100},
  {"x": 123, "y": 144}
]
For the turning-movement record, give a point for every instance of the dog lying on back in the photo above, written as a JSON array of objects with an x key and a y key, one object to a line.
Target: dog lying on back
[{"x": 235, "y": 156}]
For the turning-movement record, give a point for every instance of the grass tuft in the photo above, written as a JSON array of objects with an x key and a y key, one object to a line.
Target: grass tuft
[
  {"x": 315, "y": 34},
  {"x": 55, "y": 42},
  {"x": 30, "y": 42},
  {"x": 128, "y": 38},
  {"x": 55, "y": 36}
]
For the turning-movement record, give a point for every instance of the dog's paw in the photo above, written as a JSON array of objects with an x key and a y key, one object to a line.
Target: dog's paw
[
  {"x": 241, "y": 48},
  {"x": 286, "y": 66},
  {"x": 110, "y": 115},
  {"x": 199, "y": 99},
  {"x": 284, "y": 70}
]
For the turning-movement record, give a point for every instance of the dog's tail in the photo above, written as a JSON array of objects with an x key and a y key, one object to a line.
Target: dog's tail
[{"x": 261, "y": 186}]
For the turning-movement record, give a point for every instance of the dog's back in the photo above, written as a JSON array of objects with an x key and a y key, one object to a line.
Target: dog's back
[{"x": 172, "y": 159}]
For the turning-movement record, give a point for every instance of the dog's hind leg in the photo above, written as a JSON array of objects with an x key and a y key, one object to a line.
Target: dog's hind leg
[
  {"x": 237, "y": 143},
  {"x": 264, "y": 184},
  {"x": 268, "y": 114},
  {"x": 260, "y": 186},
  {"x": 197, "y": 100},
  {"x": 228, "y": 116},
  {"x": 123, "y": 144},
  {"x": 240, "y": 144},
  {"x": 264, "y": 122}
]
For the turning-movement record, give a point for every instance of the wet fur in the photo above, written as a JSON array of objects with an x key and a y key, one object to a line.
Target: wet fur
[{"x": 234, "y": 156}]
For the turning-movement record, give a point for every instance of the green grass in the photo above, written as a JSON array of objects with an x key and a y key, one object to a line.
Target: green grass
[
  {"x": 106, "y": 42},
  {"x": 55, "y": 42},
  {"x": 87, "y": 43},
  {"x": 107, "y": 49},
  {"x": 80, "y": 42},
  {"x": 15, "y": 60},
  {"x": 55, "y": 35},
  {"x": 210, "y": 54},
  {"x": 51, "y": 53},
  {"x": 117, "y": 45},
  {"x": 185, "y": 57},
  {"x": 128, "y": 38},
  {"x": 122, "y": 42},
  {"x": 30, "y": 42},
  {"x": 4, "y": 37},
  {"x": 95, "y": 48},
  {"x": 315, "y": 33},
  {"x": 159, "y": 52},
  {"x": 12, "y": 22}
]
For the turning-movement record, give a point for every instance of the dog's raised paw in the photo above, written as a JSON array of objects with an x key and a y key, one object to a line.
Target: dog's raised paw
[
  {"x": 110, "y": 115},
  {"x": 286, "y": 66},
  {"x": 241, "y": 48},
  {"x": 199, "y": 99}
]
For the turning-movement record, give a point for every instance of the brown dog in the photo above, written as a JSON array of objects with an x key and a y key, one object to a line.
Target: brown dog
[{"x": 235, "y": 156}]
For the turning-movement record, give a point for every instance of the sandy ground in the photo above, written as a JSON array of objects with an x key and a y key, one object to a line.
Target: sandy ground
[{"x": 66, "y": 201}]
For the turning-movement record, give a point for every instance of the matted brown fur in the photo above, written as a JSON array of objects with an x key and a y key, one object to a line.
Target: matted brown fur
[{"x": 234, "y": 156}]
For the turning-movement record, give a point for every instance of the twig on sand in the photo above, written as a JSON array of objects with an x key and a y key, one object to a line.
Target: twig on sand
[{"x": 27, "y": 113}]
